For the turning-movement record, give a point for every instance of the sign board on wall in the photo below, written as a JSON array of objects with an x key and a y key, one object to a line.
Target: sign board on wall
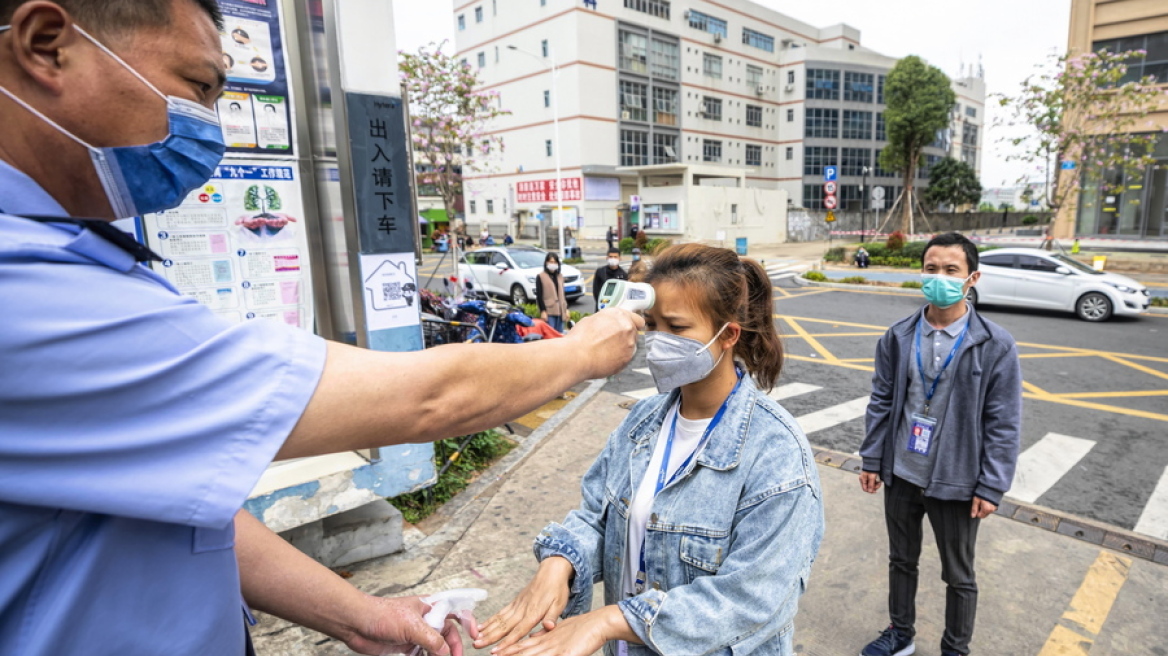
[
  {"x": 381, "y": 173},
  {"x": 544, "y": 191},
  {"x": 606, "y": 189},
  {"x": 256, "y": 107}
]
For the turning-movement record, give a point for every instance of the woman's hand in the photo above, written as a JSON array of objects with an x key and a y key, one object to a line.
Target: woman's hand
[
  {"x": 541, "y": 602},
  {"x": 543, "y": 315},
  {"x": 575, "y": 636}
]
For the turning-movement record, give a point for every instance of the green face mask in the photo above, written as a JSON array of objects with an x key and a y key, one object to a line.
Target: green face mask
[{"x": 943, "y": 291}]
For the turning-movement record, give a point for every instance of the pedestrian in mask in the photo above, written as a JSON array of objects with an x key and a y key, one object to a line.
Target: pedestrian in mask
[
  {"x": 610, "y": 271},
  {"x": 705, "y": 502},
  {"x": 549, "y": 293}
]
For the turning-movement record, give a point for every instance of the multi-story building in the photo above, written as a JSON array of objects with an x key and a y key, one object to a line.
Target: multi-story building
[
  {"x": 686, "y": 82},
  {"x": 1141, "y": 210}
]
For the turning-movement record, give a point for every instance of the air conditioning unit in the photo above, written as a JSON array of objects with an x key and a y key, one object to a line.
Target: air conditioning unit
[
  {"x": 761, "y": 90},
  {"x": 625, "y": 115},
  {"x": 687, "y": 14},
  {"x": 717, "y": 38},
  {"x": 790, "y": 88}
]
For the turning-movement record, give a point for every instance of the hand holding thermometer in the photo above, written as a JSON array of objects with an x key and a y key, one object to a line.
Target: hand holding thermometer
[{"x": 631, "y": 296}]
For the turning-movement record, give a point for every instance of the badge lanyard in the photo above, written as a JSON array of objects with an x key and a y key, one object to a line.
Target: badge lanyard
[
  {"x": 921, "y": 367},
  {"x": 664, "y": 472},
  {"x": 103, "y": 229}
]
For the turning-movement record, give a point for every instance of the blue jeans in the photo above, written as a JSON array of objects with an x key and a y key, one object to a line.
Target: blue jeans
[{"x": 556, "y": 322}]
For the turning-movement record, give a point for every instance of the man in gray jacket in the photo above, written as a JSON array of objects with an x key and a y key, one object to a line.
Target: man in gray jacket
[{"x": 943, "y": 430}]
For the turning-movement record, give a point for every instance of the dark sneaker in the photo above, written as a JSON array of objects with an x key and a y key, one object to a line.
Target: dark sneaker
[{"x": 890, "y": 643}]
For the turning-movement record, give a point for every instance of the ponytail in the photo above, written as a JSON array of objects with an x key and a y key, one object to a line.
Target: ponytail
[{"x": 761, "y": 350}]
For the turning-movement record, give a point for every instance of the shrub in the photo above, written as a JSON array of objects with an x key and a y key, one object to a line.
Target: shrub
[
  {"x": 1159, "y": 301},
  {"x": 815, "y": 276},
  {"x": 914, "y": 251},
  {"x": 834, "y": 254},
  {"x": 911, "y": 284},
  {"x": 854, "y": 280},
  {"x": 875, "y": 250},
  {"x": 574, "y": 260},
  {"x": 1029, "y": 219},
  {"x": 656, "y": 245},
  {"x": 476, "y": 454},
  {"x": 626, "y": 245},
  {"x": 895, "y": 241}
]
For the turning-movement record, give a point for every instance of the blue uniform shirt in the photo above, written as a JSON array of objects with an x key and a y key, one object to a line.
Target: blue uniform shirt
[{"x": 133, "y": 425}]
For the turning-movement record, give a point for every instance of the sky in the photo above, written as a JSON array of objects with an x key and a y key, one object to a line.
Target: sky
[{"x": 1011, "y": 37}]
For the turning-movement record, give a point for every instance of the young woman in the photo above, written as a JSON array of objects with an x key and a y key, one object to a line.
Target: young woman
[
  {"x": 703, "y": 514},
  {"x": 549, "y": 293}
]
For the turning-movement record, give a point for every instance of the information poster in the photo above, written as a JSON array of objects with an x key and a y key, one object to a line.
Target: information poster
[
  {"x": 255, "y": 109},
  {"x": 239, "y": 244},
  {"x": 390, "y": 283}
]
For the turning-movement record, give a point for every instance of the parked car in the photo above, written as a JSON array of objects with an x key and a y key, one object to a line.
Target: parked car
[
  {"x": 510, "y": 272},
  {"x": 1029, "y": 277}
]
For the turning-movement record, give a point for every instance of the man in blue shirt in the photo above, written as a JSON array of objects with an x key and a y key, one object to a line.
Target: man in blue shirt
[{"x": 133, "y": 421}]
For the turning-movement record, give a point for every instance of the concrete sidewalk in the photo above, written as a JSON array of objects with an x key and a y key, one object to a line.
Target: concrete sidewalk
[{"x": 1042, "y": 593}]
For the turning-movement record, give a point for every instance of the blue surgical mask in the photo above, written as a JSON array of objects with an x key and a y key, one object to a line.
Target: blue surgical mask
[
  {"x": 143, "y": 179},
  {"x": 943, "y": 291},
  {"x": 677, "y": 361}
]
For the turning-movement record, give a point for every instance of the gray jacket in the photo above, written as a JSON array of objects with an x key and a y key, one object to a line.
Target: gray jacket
[{"x": 982, "y": 425}]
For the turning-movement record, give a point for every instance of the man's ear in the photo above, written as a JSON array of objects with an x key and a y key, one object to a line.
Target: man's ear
[{"x": 42, "y": 36}]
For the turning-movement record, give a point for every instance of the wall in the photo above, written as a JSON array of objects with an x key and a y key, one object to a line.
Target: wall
[{"x": 705, "y": 211}]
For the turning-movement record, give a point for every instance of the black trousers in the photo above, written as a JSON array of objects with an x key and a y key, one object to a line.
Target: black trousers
[{"x": 905, "y": 506}]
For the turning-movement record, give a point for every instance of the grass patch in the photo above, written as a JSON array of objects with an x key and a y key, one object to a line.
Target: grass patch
[
  {"x": 461, "y": 457},
  {"x": 854, "y": 280},
  {"x": 1160, "y": 301},
  {"x": 814, "y": 276},
  {"x": 574, "y": 260},
  {"x": 911, "y": 284}
]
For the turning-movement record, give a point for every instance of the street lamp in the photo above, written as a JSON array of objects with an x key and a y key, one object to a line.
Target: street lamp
[
  {"x": 549, "y": 62},
  {"x": 863, "y": 204}
]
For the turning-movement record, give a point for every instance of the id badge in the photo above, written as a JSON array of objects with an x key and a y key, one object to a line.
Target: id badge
[
  {"x": 622, "y": 648},
  {"x": 920, "y": 438}
]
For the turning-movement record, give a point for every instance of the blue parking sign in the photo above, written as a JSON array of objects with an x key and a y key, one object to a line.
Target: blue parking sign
[{"x": 830, "y": 173}]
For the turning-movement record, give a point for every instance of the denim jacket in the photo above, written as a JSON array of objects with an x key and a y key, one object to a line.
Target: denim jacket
[{"x": 729, "y": 543}]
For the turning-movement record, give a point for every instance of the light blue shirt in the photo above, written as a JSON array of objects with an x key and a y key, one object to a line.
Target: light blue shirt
[{"x": 133, "y": 425}]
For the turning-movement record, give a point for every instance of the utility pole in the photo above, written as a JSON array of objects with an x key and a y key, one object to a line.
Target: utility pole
[{"x": 864, "y": 204}]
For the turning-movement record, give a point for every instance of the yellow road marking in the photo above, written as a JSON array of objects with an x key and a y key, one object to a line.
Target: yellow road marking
[
  {"x": 812, "y": 293},
  {"x": 847, "y": 335},
  {"x": 845, "y": 365},
  {"x": 892, "y": 291},
  {"x": 1084, "y": 618},
  {"x": 859, "y": 360},
  {"x": 1111, "y": 395},
  {"x": 1102, "y": 354},
  {"x": 1046, "y": 396},
  {"x": 1035, "y": 389},
  {"x": 1137, "y": 367},
  {"x": 834, "y": 323},
  {"x": 812, "y": 342},
  {"x": 783, "y": 292},
  {"x": 1032, "y": 356}
]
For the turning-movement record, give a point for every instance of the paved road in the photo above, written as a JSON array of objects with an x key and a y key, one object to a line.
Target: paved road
[{"x": 1095, "y": 412}]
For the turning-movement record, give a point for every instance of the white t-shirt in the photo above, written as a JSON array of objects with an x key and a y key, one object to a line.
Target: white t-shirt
[{"x": 689, "y": 434}]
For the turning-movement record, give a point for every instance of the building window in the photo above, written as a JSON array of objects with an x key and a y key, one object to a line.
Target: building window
[
  {"x": 712, "y": 66},
  {"x": 634, "y": 52},
  {"x": 712, "y": 108},
  {"x": 482, "y": 59},
  {"x": 790, "y": 116},
  {"x": 486, "y": 146},
  {"x": 1154, "y": 62},
  {"x": 461, "y": 22},
  {"x": 707, "y": 23},
  {"x": 758, "y": 40},
  {"x": 478, "y": 14},
  {"x": 754, "y": 116},
  {"x": 817, "y": 157},
  {"x": 821, "y": 123},
  {"x": 658, "y": 8},
  {"x": 711, "y": 150},
  {"x": 473, "y": 209},
  {"x": 753, "y": 155},
  {"x": 853, "y": 160},
  {"x": 858, "y": 87},
  {"x": 547, "y": 98},
  {"x": 790, "y": 77},
  {"x": 857, "y": 125},
  {"x": 927, "y": 169},
  {"x": 494, "y": 7},
  {"x": 753, "y": 76},
  {"x": 543, "y": 48},
  {"x": 490, "y": 207},
  {"x": 790, "y": 153},
  {"x": 634, "y": 148},
  {"x": 665, "y": 148},
  {"x": 880, "y": 89},
  {"x": 665, "y": 108},
  {"x": 666, "y": 62},
  {"x": 634, "y": 101},
  {"x": 971, "y": 112},
  {"x": 823, "y": 84},
  {"x": 969, "y": 155},
  {"x": 813, "y": 196},
  {"x": 547, "y": 146},
  {"x": 850, "y": 198},
  {"x": 969, "y": 134},
  {"x": 881, "y": 132}
]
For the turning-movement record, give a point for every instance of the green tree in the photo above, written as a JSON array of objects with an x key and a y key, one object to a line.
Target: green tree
[
  {"x": 449, "y": 119},
  {"x": 952, "y": 183},
  {"x": 1088, "y": 113},
  {"x": 919, "y": 101}
]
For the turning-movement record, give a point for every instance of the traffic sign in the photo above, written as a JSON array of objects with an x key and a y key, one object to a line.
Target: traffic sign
[
  {"x": 830, "y": 173},
  {"x": 830, "y": 216},
  {"x": 830, "y": 202},
  {"x": 1068, "y": 165},
  {"x": 877, "y": 203},
  {"x": 830, "y": 188},
  {"x": 877, "y": 193}
]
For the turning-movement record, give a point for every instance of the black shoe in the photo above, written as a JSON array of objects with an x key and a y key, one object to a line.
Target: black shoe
[{"x": 890, "y": 643}]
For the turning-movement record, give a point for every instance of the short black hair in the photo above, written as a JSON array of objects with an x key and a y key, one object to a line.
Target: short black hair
[
  {"x": 614, "y": 251},
  {"x": 117, "y": 16},
  {"x": 954, "y": 239}
]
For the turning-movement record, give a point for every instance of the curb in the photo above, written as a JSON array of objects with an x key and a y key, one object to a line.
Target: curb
[
  {"x": 1079, "y": 528},
  {"x": 901, "y": 291}
]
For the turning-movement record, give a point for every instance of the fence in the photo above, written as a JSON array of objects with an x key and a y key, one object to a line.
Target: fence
[{"x": 810, "y": 225}]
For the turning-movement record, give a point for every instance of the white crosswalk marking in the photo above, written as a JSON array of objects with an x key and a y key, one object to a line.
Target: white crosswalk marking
[
  {"x": 1154, "y": 519},
  {"x": 833, "y": 416},
  {"x": 792, "y": 389},
  {"x": 642, "y": 393},
  {"x": 1044, "y": 463},
  {"x": 643, "y": 370}
]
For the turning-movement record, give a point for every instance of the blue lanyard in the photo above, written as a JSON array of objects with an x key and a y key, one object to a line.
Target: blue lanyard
[
  {"x": 921, "y": 367},
  {"x": 664, "y": 472}
]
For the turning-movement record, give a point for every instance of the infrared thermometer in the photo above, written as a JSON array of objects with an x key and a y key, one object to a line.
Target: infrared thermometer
[{"x": 631, "y": 296}]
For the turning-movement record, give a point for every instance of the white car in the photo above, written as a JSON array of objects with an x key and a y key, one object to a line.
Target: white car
[
  {"x": 510, "y": 272},
  {"x": 1034, "y": 278}
]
